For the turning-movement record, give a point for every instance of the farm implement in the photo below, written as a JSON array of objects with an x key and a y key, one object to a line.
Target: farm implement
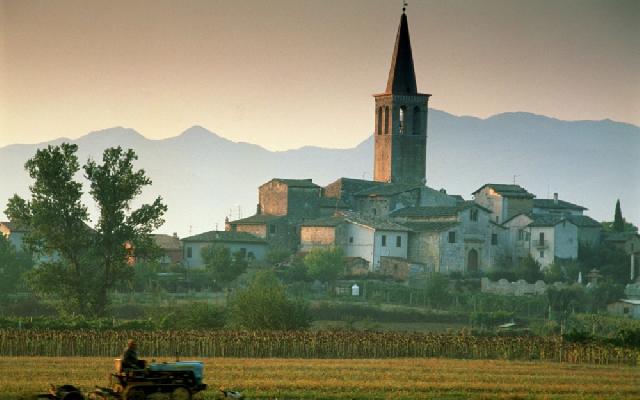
[{"x": 178, "y": 380}]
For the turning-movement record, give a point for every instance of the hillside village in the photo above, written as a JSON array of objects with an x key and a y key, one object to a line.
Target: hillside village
[{"x": 395, "y": 225}]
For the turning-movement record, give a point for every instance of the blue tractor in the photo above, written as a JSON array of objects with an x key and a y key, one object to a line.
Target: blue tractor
[{"x": 172, "y": 380}]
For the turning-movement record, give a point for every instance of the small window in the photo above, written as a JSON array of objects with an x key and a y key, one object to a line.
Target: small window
[
  {"x": 374, "y": 211},
  {"x": 384, "y": 240},
  {"x": 452, "y": 237},
  {"x": 272, "y": 229},
  {"x": 473, "y": 214},
  {"x": 625, "y": 310},
  {"x": 398, "y": 241},
  {"x": 520, "y": 234},
  {"x": 189, "y": 252},
  {"x": 542, "y": 254},
  {"x": 350, "y": 239},
  {"x": 494, "y": 239}
]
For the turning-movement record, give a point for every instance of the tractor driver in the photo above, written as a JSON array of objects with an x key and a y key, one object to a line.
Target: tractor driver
[{"x": 130, "y": 357}]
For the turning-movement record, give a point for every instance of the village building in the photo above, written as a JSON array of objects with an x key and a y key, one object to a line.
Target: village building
[
  {"x": 372, "y": 240},
  {"x": 170, "y": 248},
  {"x": 625, "y": 308},
  {"x": 245, "y": 244},
  {"x": 505, "y": 201},
  {"x": 14, "y": 233}
]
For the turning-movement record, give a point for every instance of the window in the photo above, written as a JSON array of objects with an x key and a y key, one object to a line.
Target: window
[
  {"x": 473, "y": 214},
  {"x": 494, "y": 239},
  {"x": 403, "y": 111},
  {"x": 350, "y": 239},
  {"x": 416, "y": 120},
  {"x": 542, "y": 254},
  {"x": 386, "y": 120},
  {"x": 541, "y": 237},
  {"x": 520, "y": 234},
  {"x": 189, "y": 252},
  {"x": 379, "y": 122},
  {"x": 452, "y": 237},
  {"x": 374, "y": 211},
  {"x": 384, "y": 240},
  {"x": 272, "y": 229},
  {"x": 398, "y": 241}
]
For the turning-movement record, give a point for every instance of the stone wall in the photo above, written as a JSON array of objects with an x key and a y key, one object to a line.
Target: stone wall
[
  {"x": 273, "y": 197},
  {"x": 519, "y": 288},
  {"x": 317, "y": 236},
  {"x": 303, "y": 202}
]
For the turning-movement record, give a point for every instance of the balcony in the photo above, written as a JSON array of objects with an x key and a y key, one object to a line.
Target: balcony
[{"x": 540, "y": 244}]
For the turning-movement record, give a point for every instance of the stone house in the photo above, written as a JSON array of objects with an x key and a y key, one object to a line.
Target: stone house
[
  {"x": 504, "y": 200},
  {"x": 552, "y": 238},
  {"x": 253, "y": 247},
  {"x": 453, "y": 238},
  {"x": 556, "y": 206},
  {"x": 295, "y": 198},
  {"x": 369, "y": 239},
  {"x": 274, "y": 229},
  {"x": 625, "y": 308},
  {"x": 170, "y": 246}
]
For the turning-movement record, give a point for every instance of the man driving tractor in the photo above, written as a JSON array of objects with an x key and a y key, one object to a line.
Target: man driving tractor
[{"x": 130, "y": 357}]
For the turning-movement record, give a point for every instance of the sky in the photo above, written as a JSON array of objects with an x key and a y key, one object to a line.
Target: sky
[{"x": 285, "y": 74}]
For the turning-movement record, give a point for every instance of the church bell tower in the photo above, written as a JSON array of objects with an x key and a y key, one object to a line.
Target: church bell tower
[{"x": 401, "y": 119}]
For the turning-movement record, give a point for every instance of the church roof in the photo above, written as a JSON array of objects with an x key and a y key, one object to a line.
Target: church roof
[{"x": 402, "y": 76}]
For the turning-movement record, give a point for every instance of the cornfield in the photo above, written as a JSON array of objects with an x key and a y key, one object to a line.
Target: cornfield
[{"x": 309, "y": 344}]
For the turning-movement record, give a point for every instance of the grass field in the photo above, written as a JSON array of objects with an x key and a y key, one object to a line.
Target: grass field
[{"x": 352, "y": 379}]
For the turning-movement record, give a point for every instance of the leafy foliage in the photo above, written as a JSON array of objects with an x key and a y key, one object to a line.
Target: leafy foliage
[
  {"x": 81, "y": 265},
  {"x": 225, "y": 266},
  {"x": 13, "y": 265},
  {"x": 325, "y": 264},
  {"x": 263, "y": 305},
  {"x": 529, "y": 270}
]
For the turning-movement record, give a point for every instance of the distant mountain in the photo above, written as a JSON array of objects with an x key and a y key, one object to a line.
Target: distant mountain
[{"x": 204, "y": 177}]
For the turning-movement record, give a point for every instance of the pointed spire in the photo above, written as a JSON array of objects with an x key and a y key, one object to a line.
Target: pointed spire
[{"x": 402, "y": 76}]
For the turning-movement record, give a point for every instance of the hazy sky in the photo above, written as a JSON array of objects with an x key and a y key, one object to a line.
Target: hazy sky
[{"x": 285, "y": 74}]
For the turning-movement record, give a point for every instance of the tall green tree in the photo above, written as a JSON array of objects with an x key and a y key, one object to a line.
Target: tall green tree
[
  {"x": 225, "y": 266},
  {"x": 13, "y": 265},
  {"x": 325, "y": 264},
  {"x": 264, "y": 305},
  {"x": 618, "y": 221},
  {"x": 82, "y": 264}
]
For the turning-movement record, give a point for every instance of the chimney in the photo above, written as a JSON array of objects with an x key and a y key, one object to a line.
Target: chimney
[
  {"x": 555, "y": 198},
  {"x": 175, "y": 235},
  {"x": 258, "y": 211}
]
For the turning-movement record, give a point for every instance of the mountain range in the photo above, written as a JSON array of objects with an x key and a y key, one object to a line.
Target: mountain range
[{"x": 204, "y": 177}]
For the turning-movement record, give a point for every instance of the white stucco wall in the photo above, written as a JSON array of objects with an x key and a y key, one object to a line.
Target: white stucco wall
[
  {"x": 195, "y": 261},
  {"x": 566, "y": 240},
  {"x": 360, "y": 242},
  {"x": 390, "y": 249}
]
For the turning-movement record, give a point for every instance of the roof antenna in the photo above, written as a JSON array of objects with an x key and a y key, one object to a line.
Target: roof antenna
[{"x": 404, "y": 6}]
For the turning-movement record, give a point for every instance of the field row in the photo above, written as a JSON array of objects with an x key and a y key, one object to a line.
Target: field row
[
  {"x": 310, "y": 344},
  {"x": 352, "y": 379}
]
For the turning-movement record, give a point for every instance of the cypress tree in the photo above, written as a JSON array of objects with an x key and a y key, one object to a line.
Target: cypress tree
[{"x": 618, "y": 221}]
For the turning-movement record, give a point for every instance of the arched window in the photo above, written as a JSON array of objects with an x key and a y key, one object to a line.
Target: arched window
[
  {"x": 379, "y": 121},
  {"x": 472, "y": 261},
  {"x": 401, "y": 125},
  {"x": 416, "y": 120},
  {"x": 386, "y": 120}
]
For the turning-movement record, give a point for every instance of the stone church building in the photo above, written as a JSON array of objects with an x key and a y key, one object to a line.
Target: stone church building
[{"x": 395, "y": 224}]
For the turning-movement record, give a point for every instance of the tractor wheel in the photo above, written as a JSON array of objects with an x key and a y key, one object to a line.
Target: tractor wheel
[
  {"x": 181, "y": 393},
  {"x": 134, "y": 394}
]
